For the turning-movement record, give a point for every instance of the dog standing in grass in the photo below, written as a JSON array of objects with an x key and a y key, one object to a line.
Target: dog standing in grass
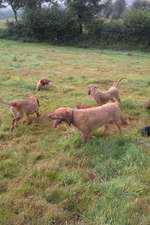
[
  {"x": 102, "y": 97},
  {"x": 86, "y": 120},
  {"x": 43, "y": 84},
  {"x": 21, "y": 108}
]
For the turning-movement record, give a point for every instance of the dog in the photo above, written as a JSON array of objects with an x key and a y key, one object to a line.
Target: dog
[
  {"x": 21, "y": 108},
  {"x": 145, "y": 131},
  {"x": 101, "y": 98},
  {"x": 86, "y": 120},
  {"x": 43, "y": 84}
]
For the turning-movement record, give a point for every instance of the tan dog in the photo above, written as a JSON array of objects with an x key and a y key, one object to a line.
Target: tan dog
[
  {"x": 43, "y": 84},
  {"x": 86, "y": 120},
  {"x": 101, "y": 98},
  {"x": 21, "y": 108}
]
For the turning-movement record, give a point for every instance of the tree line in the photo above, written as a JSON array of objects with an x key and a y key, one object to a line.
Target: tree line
[{"x": 105, "y": 22}]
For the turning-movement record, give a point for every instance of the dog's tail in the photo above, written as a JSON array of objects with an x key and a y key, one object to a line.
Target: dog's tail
[{"x": 118, "y": 82}]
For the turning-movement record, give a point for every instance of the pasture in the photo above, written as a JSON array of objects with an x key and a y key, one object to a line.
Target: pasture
[
  {"x": 2, "y": 24},
  {"x": 48, "y": 176}
]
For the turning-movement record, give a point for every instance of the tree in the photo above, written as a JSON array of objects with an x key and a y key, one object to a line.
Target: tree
[
  {"x": 108, "y": 9},
  {"x": 32, "y": 4},
  {"x": 85, "y": 10},
  {"x": 2, "y": 4},
  {"x": 18, "y": 4},
  {"x": 141, "y": 4},
  {"x": 15, "y": 5},
  {"x": 137, "y": 22},
  {"x": 118, "y": 8}
]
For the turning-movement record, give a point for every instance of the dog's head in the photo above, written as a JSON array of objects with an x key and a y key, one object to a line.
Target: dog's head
[
  {"x": 63, "y": 114},
  {"x": 35, "y": 99},
  {"x": 91, "y": 88},
  {"x": 45, "y": 81},
  {"x": 16, "y": 104}
]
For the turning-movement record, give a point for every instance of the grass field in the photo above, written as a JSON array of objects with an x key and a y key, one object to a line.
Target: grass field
[
  {"x": 2, "y": 24},
  {"x": 48, "y": 176}
]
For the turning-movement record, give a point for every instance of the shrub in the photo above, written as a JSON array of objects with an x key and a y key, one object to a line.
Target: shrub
[
  {"x": 45, "y": 24},
  {"x": 113, "y": 31},
  {"x": 61, "y": 26},
  {"x": 95, "y": 27},
  {"x": 137, "y": 23}
]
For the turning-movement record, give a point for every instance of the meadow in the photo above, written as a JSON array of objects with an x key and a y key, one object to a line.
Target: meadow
[{"x": 48, "y": 176}]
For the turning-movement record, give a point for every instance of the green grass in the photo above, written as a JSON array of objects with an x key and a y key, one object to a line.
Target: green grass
[
  {"x": 2, "y": 23},
  {"x": 48, "y": 176}
]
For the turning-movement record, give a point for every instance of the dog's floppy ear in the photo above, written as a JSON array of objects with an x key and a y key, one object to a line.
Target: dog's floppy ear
[
  {"x": 16, "y": 104},
  {"x": 50, "y": 115},
  {"x": 38, "y": 101},
  {"x": 89, "y": 90},
  {"x": 91, "y": 87}
]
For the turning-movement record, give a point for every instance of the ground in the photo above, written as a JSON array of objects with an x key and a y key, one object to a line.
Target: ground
[{"x": 48, "y": 176}]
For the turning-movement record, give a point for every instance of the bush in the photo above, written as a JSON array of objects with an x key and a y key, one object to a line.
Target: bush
[
  {"x": 113, "y": 31},
  {"x": 107, "y": 31},
  {"x": 137, "y": 23},
  {"x": 45, "y": 24},
  {"x": 95, "y": 27},
  {"x": 133, "y": 29},
  {"x": 61, "y": 26}
]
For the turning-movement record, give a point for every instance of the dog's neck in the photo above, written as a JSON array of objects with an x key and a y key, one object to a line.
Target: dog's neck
[
  {"x": 94, "y": 91},
  {"x": 72, "y": 117}
]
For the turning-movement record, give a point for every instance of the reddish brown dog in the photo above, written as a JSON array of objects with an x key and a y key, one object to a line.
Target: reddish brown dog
[
  {"x": 43, "y": 84},
  {"x": 21, "y": 108},
  {"x": 86, "y": 120}
]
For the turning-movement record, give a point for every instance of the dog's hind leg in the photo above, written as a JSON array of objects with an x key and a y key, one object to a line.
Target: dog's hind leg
[
  {"x": 15, "y": 122},
  {"x": 37, "y": 113},
  {"x": 118, "y": 126},
  {"x": 106, "y": 129},
  {"x": 85, "y": 136}
]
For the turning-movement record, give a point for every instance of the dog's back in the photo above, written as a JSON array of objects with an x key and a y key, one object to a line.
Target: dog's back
[
  {"x": 27, "y": 106},
  {"x": 97, "y": 116}
]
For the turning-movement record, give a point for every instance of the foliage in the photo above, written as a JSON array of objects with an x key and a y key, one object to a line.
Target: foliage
[
  {"x": 119, "y": 8},
  {"x": 141, "y": 4},
  {"x": 52, "y": 24},
  {"x": 85, "y": 10},
  {"x": 137, "y": 23},
  {"x": 81, "y": 21},
  {"x": 15, "y": 5}
]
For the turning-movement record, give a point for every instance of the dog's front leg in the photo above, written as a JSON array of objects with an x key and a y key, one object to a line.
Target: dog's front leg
[
  {"x": 85, "y": 136},
  {"x": 106, "y": 129}
]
